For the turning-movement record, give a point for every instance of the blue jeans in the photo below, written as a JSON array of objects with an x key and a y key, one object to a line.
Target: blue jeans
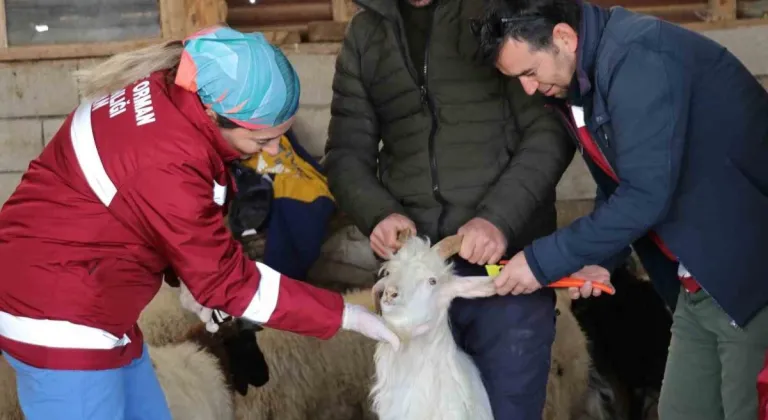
[
  {"x": 510, "y": 340},
  {"x": 128, "y": 393}
]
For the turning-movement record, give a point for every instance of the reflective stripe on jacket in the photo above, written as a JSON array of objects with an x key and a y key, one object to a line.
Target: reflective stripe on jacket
[{"x": 133, "y": 184}]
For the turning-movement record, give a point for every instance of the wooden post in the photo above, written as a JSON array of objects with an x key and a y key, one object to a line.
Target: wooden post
[
  {"x": 203, "y": 13},
  {"x": 3, "y": 26},
  {"x": 343, "y": 10},
  {"x": 722, "y": 9},
  {"x": 180, "y": 18},
  {"x": 172, "y": 19}
]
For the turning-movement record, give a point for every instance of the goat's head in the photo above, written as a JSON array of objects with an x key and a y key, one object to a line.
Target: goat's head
[{"x": 418, "y": 284}]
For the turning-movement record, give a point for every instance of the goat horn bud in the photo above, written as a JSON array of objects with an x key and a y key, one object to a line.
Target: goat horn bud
[
  {"x": 403, "y": 236},
  {"x": 449, "y": 246}
]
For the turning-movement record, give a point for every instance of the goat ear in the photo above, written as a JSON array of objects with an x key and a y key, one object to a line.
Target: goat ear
[
  {"x": 376, "y": 292},
  {"x": 470, "y": 287}
]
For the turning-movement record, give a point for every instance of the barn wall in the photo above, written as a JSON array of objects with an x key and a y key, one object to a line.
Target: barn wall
[{"x": 36, "y": 96}]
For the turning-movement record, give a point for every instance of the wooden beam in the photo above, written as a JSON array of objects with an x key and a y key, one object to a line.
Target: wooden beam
[
  {"x": 270, "y": 14},
  {"x": 51, "y": 52},
  {"x": 3, "y": 26},
  {"x": 282, "y": 37},
  {"x": 301, "y": 28},
  {"x": 631, "y": 4},
  {"x": 247, "y": 3},
  {"x": 752, "y": 9},
  {"x": 314, "y": 48},
  {"x": 670, "y": 8},
  {"x": 724, "y": 24},
  {"x": 329, "y": 31}
]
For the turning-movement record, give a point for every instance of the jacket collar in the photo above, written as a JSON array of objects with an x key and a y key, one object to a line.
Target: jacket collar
[
  {"x": 593, "y": 21},
  {"x": 190, "y": 106},
  {"x": 387, "y": 8}
]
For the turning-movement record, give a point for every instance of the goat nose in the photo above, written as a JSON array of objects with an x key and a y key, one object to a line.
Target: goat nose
[{"x": 390, "y": 292}]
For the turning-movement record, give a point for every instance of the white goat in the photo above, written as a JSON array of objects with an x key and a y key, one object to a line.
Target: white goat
[{"x": 429, "y": 377}]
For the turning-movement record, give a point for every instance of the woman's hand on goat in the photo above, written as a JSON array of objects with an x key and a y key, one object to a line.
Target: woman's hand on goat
[
  {"x": 189, "y": 303},
  {"x": 590, "y": 273},
  {"x": 384, "y": 236},
  {"x": 516, "y": 277},
  {"x": 359, "y": 319},
  {"x": 483, "y": 243}
]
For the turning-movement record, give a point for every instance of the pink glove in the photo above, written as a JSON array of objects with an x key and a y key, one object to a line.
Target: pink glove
[{"x": 359, "y": 319}]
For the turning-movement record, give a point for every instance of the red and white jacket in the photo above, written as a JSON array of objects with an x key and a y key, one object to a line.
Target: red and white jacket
[{"x": 132, "y": 185}]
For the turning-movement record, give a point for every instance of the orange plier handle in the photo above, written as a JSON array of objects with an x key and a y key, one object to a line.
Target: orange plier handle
[{"x": 566, "y": 282}]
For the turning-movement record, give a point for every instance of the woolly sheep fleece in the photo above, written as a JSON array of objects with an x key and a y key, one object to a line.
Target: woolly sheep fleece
[
  {"x": 569, "y": 369},
  {"x": 161, "y": 322},
  {"x": 309, "y": 378}
]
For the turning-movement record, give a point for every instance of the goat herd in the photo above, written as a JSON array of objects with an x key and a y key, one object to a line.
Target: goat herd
[{"x": 607, "y": 360}]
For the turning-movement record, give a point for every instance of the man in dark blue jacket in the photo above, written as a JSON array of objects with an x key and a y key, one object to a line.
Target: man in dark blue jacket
[{"x": 674, "y": 130}]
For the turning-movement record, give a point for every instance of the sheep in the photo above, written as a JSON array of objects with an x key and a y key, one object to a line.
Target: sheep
[
  {"x": 309, "y": 378},
  {"x": 9, "y": 400},
  {"x": 313, "y": 379},
  {"x": 568, "y": 381},
  {"x": 164, "y": 320},
  {"x": 193, "y": 381}
]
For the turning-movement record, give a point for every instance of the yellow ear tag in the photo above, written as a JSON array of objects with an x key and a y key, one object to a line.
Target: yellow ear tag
[{"x": 493, "y": 270}]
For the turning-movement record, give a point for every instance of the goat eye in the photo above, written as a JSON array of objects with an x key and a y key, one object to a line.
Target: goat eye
[
  {"x": 384, "y": 273},
  {"x": 432, "y": 281}
]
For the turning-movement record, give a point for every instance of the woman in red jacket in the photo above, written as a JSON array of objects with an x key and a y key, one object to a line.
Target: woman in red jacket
[{"x": 134, "y": 185}]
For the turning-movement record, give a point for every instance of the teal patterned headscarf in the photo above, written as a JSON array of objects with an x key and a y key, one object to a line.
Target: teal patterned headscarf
[{"x": 240, "y": 76}]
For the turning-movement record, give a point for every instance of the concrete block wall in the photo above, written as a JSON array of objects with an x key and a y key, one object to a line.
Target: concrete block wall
[{"x": 35, "y": 97}]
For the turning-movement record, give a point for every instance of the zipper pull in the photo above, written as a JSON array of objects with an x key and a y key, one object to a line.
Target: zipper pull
[{"x": 423, "y": 91}]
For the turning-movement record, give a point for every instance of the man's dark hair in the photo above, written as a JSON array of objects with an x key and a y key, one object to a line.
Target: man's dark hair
[{"x": 530, "y": 21}]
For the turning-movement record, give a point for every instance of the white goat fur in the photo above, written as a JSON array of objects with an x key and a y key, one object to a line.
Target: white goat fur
[{"x": 429, "y": 377}]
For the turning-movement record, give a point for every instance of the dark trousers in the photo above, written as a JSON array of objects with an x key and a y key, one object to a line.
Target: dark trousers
[{"x": 510, "y": 339}]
